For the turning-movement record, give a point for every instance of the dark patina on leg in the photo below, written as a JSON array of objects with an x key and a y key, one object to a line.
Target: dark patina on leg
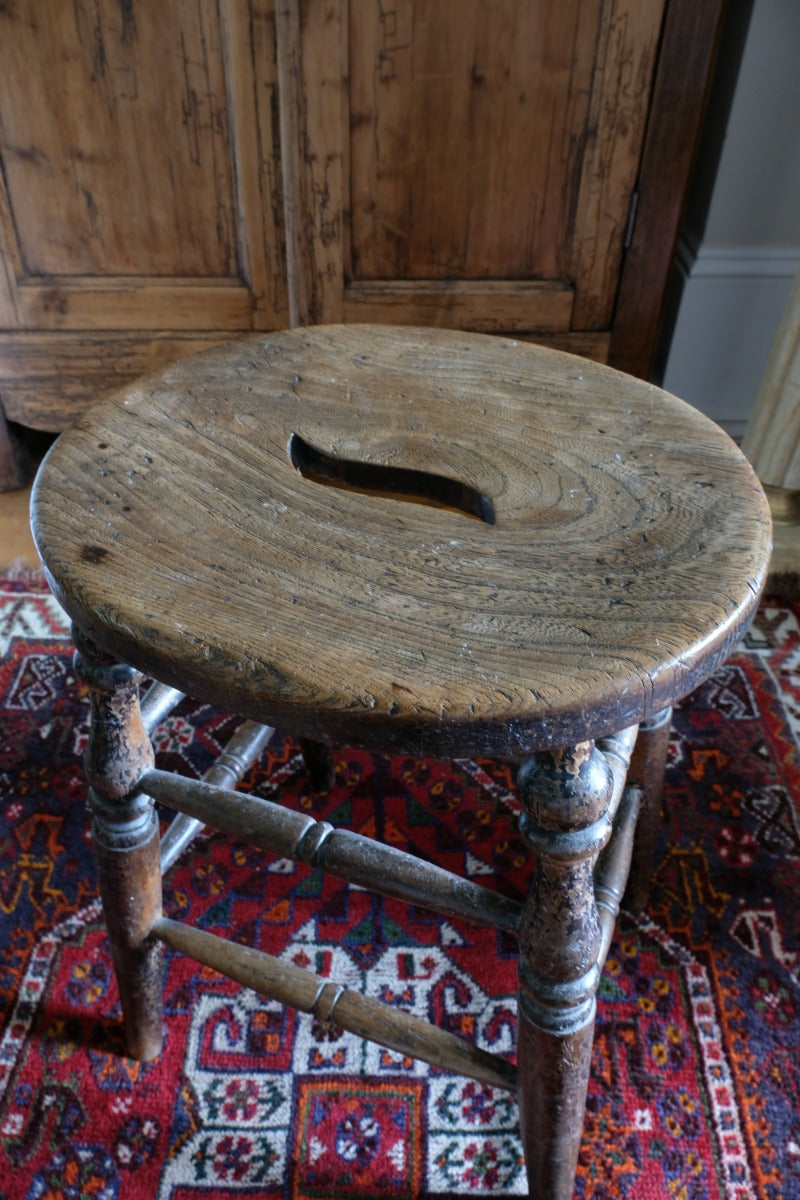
[
  {"x": 648, "y": 764},
  {"x": 126, "y": 840},
  {"x": 565, "y": 796}
]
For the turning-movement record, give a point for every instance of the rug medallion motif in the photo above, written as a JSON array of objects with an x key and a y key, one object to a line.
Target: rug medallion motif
[{"x": 695, "y": 1088}]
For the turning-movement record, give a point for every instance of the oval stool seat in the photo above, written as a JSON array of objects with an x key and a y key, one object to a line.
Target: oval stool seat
[
  {"x": 419, "y": 541},
  {"x": 621, "y": 552}
]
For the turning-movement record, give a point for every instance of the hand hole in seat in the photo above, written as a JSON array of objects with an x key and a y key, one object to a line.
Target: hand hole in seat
[{"x": 397, "y": 483}]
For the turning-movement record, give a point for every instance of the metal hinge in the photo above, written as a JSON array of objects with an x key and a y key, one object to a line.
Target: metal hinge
[{"x": 631, "y": 219}]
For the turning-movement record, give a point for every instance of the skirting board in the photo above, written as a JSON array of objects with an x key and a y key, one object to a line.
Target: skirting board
[{"x": 730, "y": 306}]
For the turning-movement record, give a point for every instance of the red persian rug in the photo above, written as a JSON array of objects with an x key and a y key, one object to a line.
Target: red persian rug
[{"x": 695, "y": 1089}]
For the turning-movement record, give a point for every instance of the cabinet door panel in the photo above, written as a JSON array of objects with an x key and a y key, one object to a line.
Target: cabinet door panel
[
  {"x": 475, "y": 164},
  {"x": 132, "y": 177},
  {"x": 132, "y": 138},
  {"x": 467, "y": 132}
]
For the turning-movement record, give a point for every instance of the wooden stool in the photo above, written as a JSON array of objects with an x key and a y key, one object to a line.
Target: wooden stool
[{"x": 425, "y": 542}]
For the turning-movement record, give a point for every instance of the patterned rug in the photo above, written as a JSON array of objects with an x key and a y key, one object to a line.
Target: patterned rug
[{"x": 695, "y": 1088}]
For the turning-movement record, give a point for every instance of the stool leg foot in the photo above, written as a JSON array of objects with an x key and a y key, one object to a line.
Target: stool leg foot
[
  {"x": 126, "y": 840},
  {"x": 648, "y": 764},
  {"x": 554, "y": 1075},
  {"x": 565, "y": 796},
  {"x": 130, "y": 887}
]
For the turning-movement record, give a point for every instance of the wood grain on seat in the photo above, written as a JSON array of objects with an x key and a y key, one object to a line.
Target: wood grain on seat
[{"x": 628, "y": 550}]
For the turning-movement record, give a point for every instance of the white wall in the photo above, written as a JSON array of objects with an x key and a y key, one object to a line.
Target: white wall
[{"x": 740, "y": 245}]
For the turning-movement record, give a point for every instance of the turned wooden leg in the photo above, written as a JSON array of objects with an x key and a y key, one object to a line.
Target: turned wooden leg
[
  {"x": 126, "y": 840},
  {"x": 648, "y": 764},
  {"x": 565, "y": 796},
  {"x": 319, "y": 764}
]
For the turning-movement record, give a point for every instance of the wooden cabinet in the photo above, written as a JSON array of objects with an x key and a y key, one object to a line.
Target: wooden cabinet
[
  {"x": 175, "y": 174},
  {"x": 483, "y": 155}
]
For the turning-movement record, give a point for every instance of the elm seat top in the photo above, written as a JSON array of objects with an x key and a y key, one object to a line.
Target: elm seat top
[{"x": 425, "y": 540}]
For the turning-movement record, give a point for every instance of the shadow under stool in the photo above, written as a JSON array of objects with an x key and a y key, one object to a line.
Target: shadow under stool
[{"x": 414, "y": 541}]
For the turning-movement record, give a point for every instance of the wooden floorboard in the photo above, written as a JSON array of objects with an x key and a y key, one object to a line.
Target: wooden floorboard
[{"x": 16, "y": 544}]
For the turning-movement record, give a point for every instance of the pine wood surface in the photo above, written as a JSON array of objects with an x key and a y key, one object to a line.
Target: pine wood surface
[
  {"x": 190, "y": 174},
  {"x": 630, "y": 542}
]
